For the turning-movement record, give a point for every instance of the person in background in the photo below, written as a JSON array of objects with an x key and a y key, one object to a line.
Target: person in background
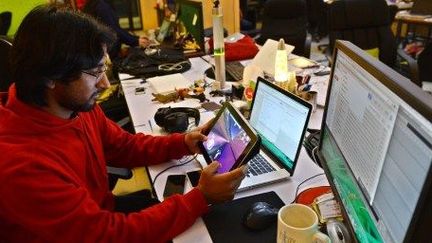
[
  {"x": 103, "y": 12},
  {"x": 55, "y": 144}
]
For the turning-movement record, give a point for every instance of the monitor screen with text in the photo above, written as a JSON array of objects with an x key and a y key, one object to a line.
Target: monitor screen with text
[{"x": 377, "y": 146}]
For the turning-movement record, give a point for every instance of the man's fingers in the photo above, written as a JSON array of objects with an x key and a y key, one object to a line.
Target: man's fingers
[{"x": 212, "y": 168}]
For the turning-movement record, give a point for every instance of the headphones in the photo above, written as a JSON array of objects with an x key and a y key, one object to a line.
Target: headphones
[{"x": 176, "y": 119}]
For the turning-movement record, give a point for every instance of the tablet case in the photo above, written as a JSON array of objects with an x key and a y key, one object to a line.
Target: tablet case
[{"x": 224, "y": 221}]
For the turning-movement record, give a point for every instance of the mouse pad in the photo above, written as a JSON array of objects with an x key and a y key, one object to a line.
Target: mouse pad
[{"x": 224, "y": 221}]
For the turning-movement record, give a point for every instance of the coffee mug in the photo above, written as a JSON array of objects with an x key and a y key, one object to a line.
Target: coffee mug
[{"x": 298, "y": 223}]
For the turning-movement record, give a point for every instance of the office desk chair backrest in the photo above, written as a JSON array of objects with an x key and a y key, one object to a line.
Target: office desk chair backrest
[
  {"x": 286, "y": 19},
  {"x": 5, "y": 77},
  {"x": 366, "y": 23},
  {"x": 5, "y": 22},
  {"x": 424, "y": 62}
]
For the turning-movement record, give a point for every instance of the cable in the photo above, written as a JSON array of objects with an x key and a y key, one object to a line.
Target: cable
[
  {"x": 301, "y": 183},
  {"x": 173, "y": 166},
  {"x": 313, "y": 156},
  {"x": 172, "y": 66}
]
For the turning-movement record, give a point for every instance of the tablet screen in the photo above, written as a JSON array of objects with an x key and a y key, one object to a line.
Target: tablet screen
[{"x": 226, "y": 141}]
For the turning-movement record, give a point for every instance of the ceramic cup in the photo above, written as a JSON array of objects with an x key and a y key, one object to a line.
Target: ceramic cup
[{"x": 298, "y": 223}]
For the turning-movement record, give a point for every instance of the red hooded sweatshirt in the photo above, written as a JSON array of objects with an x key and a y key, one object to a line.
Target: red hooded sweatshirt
[{"x": 54, "y": 186}]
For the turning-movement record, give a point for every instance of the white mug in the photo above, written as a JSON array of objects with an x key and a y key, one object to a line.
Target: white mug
[{"x": 298, "y": 223}]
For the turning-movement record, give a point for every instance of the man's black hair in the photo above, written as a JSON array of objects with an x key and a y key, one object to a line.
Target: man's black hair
[{"x": 55, "y": 43}]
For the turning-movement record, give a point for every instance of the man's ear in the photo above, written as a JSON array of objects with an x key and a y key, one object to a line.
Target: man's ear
[{"x": 50, "y": 84}]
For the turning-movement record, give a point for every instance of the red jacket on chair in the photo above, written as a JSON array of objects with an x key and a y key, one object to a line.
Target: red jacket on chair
[{"x": 244, "y": 48}]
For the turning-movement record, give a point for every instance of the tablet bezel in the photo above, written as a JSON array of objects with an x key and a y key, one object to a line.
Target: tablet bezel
[{"x": 250, "y": 147}]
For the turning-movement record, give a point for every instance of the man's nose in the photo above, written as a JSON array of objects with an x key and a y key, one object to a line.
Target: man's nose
[{"x": 103, "y": 82}]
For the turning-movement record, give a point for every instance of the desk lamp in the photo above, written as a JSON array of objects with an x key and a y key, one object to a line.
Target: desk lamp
[
  {"x": 282, "y": 77},
  {"x": 218, "y": 42}
]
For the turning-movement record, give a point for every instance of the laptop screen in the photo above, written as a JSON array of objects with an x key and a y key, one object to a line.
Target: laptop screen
[{"x": 280, "y": 119}]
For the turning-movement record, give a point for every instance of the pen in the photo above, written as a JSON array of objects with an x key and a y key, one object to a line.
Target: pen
[{"x": 151, "y": 127}]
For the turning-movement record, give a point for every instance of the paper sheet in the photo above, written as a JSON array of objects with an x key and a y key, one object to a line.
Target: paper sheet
[{"x": 167, "y": 83}]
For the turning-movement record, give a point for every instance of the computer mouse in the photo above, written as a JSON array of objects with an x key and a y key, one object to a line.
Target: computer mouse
[
  {"x": 337, "y": 232},
  {"x": 260, "y": 216}
]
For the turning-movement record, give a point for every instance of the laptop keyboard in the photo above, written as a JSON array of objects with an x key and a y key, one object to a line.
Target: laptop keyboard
[
  {"x": 258, "y": 165},
  {"x": 235, "y": 70}
]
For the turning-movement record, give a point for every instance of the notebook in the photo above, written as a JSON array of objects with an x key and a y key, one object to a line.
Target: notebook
[
  {"x": 280, "y": 119},
  {"x": 422, "y": 7}
]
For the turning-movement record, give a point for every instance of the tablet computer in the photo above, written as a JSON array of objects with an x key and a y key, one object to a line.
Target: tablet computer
[{"x": 230, "y": 140}]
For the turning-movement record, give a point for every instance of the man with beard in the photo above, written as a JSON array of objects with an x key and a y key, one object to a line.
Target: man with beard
[{"x": 55, "y": 143}]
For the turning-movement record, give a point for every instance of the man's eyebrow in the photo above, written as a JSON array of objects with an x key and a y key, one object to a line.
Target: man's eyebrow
[{"x": 99, "y": 65}]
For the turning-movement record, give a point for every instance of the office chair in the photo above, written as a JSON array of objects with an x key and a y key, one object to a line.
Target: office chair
[
  {"x": 420, "y": 68},
  {"x": 424, "y": 62},
  {"x": 366, "y": 23},
  {"x": 286, "y": 19},
  {"x": 5, "y": 22},
  {"x": 317, "y": 18},
  {"x": 248, "y": 20}
]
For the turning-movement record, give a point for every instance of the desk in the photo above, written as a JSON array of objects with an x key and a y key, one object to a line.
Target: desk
[{"x": 142, "y": 110}]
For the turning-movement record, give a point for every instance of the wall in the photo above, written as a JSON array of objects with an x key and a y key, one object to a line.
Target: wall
[{"x": 19, "y": 9}]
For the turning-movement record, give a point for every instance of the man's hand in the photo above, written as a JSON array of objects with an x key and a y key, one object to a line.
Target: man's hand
[
  {"x": 219, "y": 188},
  {"x": 192, "y": 139},
  {"x": 196, "y": 135},
  {"x": 143, "y": 41}
]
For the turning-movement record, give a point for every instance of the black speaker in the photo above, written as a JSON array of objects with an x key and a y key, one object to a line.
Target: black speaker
[{"x": 176, "y": 119}]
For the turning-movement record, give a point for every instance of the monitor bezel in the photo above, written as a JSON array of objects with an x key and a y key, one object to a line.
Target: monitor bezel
[{"x": 412, "y": 95}]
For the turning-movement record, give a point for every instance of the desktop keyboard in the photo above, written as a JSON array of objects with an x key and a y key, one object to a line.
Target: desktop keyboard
[
  {"x": 235, "y": 70},
  {"x": 259, "y": 165}
]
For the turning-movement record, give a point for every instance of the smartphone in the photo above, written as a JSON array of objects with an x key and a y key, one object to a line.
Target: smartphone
[
  {"x": 193, "y": 177},
  {"x": 139, "y": 90},
  {"x": 174, "y": 185}
]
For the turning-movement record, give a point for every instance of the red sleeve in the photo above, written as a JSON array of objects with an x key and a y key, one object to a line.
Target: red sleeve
[
  {"x": 123, "y": 149},
  {"x": 46, "y": 200}
]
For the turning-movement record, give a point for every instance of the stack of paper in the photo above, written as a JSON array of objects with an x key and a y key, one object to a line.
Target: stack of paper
[{"x": 161, "y": 84}]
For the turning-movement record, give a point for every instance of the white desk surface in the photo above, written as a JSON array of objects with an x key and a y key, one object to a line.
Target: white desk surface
[{"x": 142, "y": 110}]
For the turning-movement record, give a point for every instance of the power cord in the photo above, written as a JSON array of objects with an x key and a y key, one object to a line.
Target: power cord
[
  {"x": 172, "y": 66},
  {"x": 173, "y": 166},
  {"x": 301, "y": 183},
  {"x": 311, "y": 142}
]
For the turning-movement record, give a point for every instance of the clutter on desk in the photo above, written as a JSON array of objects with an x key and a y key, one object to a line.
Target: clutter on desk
[
  {"x": 180, "y": 94},
  {"x": 152, "y": 62}
]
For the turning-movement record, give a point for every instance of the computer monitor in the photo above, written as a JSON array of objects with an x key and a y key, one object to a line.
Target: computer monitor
[
  {"x": 376, "y": 148},
  {"x": 190, "y": 16}
]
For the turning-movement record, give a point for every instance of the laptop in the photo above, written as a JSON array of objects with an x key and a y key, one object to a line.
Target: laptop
[
  {"x": 280, "y": 119},
  {"x": 421, "y": 7}
]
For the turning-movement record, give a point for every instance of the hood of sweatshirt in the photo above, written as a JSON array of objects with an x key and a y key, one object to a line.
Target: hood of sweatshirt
[{"x": 19, "y": 118}]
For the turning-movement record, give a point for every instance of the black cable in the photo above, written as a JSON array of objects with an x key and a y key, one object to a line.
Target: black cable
[
  {"x": 173, "y": 166},
  {"x": 301, "y": 183}
]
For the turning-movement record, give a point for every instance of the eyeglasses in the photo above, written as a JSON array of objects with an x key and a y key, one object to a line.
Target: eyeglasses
[{"x": 97, "y": 74}]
